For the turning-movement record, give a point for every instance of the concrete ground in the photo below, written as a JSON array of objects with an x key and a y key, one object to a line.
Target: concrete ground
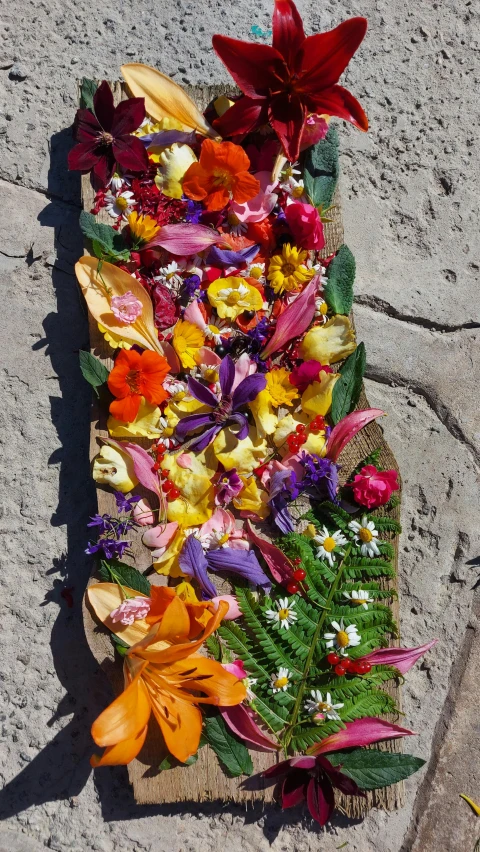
[{"x": 410, "y": 191}]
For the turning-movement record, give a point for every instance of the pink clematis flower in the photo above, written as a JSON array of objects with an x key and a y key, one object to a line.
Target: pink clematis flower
[{"x": 258, "y": 208}]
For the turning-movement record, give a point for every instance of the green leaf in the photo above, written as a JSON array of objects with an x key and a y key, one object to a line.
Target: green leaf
[
  {"x": 347, "y": 389},
  {"x": 341, "y": 275},
  {"x": 321, "y": 170},
  {"x": 87, "y": 91},
  {"x": 112, "y": 570},
  {"x": 232, "y": 753},
  {"x": 371, "y": 768},
  {"x": 214, "y": 647},
  {"x": 106, "y": 241},
  {"x": 93, "y": 370},
  {"x": 170, "y": 762}
]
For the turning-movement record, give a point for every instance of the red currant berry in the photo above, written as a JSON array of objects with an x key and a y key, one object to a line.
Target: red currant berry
[
  {"x": 292, "y": 588},
  {"x": 314, "y": 430},
  {"x": 297, "y": 561},
  {"x": 160, "y": 448},
  {"x": 167, "y": 486},
  {"x": 300, "y": 428},
  {"x": 360, "y": 667},
  {"x": 299, "y": 574},
  {"x": 333, "y": 658},
  {"x": 174, "y": 493},
  {"x": 348, "y": 664},
  {"x": 340, "y": 670},
  {"x": 156, "y": 466}
]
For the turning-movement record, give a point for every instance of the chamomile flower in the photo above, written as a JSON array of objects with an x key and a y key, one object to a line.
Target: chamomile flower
[
  {"x": 359, "y": 597},
  {"x": 365, "y": 535},
  {"x": 321, "y": 309},
  {"x": 117, "y": 182},
  {"x": 120, "y": 205},
  {"x": 329, "y": 545},
  {"x": 281, "y": 680},
  {"x": 283, "y": 615},
  {"x": 343, "y": 638},
  {"x": 170, "y": 275},
  {"x": 316, "y": 704},
  {"x": 254, "y": 270}
]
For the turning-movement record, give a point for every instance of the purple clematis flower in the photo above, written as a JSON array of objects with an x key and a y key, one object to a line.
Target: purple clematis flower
[
  {"x": 228, "y": 486},
  {"x": 194, "y": 563},
  {"x": 225, "y": 412}
]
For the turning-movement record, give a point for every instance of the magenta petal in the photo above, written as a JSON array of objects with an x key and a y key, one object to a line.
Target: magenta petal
[
  {"x": 347, "y": 428},
  {"x": 276, "y": 771},
  {"x": 279, "y": 565},
  {"x": 142, "y": 465},
  {"x": 294, "y": 320},
  {"x": 185, "y": 239},
  {"x": 402, "y": 658},
  {"x": 361, "y": 732},
  {"x": 294, "y": 788},
  {"x": 241, "y": 720},
  {"x": 320, "y": 801}
]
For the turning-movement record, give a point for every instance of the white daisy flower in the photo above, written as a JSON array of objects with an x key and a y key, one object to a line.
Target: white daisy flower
[
  {"x": 171, "y": 274},
  {"x": 329, "y": 545},
  {"x": 343, "y": 638},
  {"x": 281, "y": 680},
  {"x": 365, "y": 535},
  {"x": 117, "y": 182},
  {"x": 248, "y": 682},
  {"x": 120, "y": 205},
  {"x": 254, "y": 270},
  {"x": 321, "y": 309},
  {"x": 284, "y": 614},
  {"x": 316, "y": 704},
  {"x": 359, "y": 597}
]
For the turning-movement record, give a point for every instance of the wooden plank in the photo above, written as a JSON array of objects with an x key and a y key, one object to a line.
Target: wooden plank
[{"x": 205, "y": 781}]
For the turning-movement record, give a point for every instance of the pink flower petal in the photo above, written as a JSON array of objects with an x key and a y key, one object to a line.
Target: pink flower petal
[
  {"x": 295, "y": 319},
  {"x": 402, "y": 658},
  {"x": 142, "y": 513},
  {"x": 361, "y": 732},
  {"x": 279, "y": 566},
  {"x": 241, "y": 720},
  {"x": 185, "y": 239},
  {"x": 233, "y": 612},
  {"x": 347, "y": 428},
  {"x": 160, "y": 536}
]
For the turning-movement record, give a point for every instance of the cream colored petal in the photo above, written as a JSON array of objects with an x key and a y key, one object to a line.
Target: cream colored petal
[
  {"x": 317, "y": 398},
  {"x": 115, "y": 468},
  {"x": 243, "y": 455},
  {"x": 103, "y": 598},
  {"x": 173, "y": 164},
  {"x": 99, "y": 282},
  {"x": 164, "y": 98},
  {"x": 265, "y": 418},
  {"x": 144, "y": 426},
  {"x": 329, "y": 343}
]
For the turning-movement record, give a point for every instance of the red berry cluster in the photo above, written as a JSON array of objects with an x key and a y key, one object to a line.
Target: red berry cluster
[
  {"x": 169, "y": 489},
  {"x": 342, "y": 665},
  {"x": 297, "y": 438},
  {"x": 293, "y": 586}
]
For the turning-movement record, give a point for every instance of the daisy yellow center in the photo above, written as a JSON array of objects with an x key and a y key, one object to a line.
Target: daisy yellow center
[
  {"x": 122, "y": 203},
  {"x": 283, "y": 614},
  {"x": 223, "y": 539},
  {"x": 342, "y": 639},
  {"x": 323, "y": 309},
  {"x": 359, "y": 601},
  {"x": 288, "y": 171},
  {"x": 323, "y": 706},
  {"x": 233, "y": 297},
  {"x": 298, "y": 192},
  {"x": 288, "y": 269},
  {"x": 256, "y": 272},
  {"x": 365, "y": 535},
  {"x": 281, "y": 682},
  {"x": 329, "y": 544}
]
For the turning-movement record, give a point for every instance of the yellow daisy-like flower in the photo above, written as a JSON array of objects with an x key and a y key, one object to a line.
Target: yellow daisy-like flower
[
  {"x": 142, "y": 227},
  {"x": 173, "y": 164},
  {"x": 187, "y": 340},
  {"x": 231, "y": 296},
  {"x": 287, "y": 271},
  {"x": 281, "y": 391},
  {"x": 113, "y": 340}
]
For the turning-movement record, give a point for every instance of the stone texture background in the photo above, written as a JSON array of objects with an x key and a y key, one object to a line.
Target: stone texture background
[{"x": 410, "y": 190}]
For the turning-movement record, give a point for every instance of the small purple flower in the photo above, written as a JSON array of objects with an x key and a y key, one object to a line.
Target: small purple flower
[
  {"x": 321, "y": 477},
  {"x": 104, "y": 522},
  {"x": 225, "y": 412},
  {"x": 191, "y": 286},
  {"x": 260, "y": 332},
  {"x": 125, "y": 504},
  {"x": 228, "y": 486},
  {"x": 109, "y": 547},
  {"x": 194, "y": 212}
]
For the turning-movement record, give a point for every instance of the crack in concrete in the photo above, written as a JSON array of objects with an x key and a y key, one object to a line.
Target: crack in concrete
[
  {"x": 45, "y": 192},
  {"x": 383, "y": 307},
  {"x": 15, "y": 256},
  {"x": 440, "y": 410}
]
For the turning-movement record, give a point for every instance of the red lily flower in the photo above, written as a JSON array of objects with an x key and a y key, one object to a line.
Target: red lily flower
[
  {"x": 282, "y": 84},
  {"x": 104, "y": 136}
]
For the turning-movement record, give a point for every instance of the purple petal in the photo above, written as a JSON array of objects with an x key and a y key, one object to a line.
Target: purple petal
[
  {"x": 241, "y": 562},
  {"x": 204, "y": 440},
  {"x": 320, "y": 800},
  {"x": 294, "y": 788},
  {"x": 191, "y": 422},
  {"x": 226, "y": 375},
  {"x": 202, "y": 393},
  {"x": 242, "y": 421},
  {"x": 168, "y": 137},
  {"x": 282, "y": 517},
  {"x": 248, "y": 390},
  {"x": 223, "y": 257},
  {"x": 193, "y": 563}
]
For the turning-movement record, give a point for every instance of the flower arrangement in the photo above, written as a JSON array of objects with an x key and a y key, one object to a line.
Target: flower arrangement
[{"x": 233, "y": 393}]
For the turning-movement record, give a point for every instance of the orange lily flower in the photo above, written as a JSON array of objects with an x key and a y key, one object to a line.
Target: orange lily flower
[
  {"x": 221, "y": 175},
  {"x": 165, "y": 675},
  {"x": 133, "y": 376},
  {"x": 199, "y": 613}
]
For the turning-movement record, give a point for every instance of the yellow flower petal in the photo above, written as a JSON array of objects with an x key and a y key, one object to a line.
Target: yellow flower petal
[
  {"x": 475, "y": 808},
  {"x": 317, "y": 398},
  {"x": 232, "y": 296},
  {"x": 164, "y": 98},
  {"x": 315, "y": 443},
  {"x": 186, "y": 592},
  {"x": 99, "y": 286},
  {"x": 197, "y": 502},
  {"x": 243, "y": 455},
  {"x": 329, "y": 343},
  {"x": 167, "y": 564},
  {"x": 265, "y": 418},
  {"x": 252, "y": 499},
  {"x": 115, "y": 468},
  {"x": 173, "y": 163},
  {"x": 114, "y": 340},
  {"x": 187, "y": 340},
  {"x": 145, "y": 228},
  {"x": 145, "y": 425}
]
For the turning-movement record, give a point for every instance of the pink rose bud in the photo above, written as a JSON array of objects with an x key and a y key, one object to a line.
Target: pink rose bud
[
  {"x": 305, "y": 225},
  {"x": 372, "y": 487},
  {"x": 131, "y": 610},
  {"x": 126, "y": 308}
]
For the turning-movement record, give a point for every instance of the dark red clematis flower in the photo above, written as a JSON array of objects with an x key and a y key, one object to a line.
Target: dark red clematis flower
[
  {"x": 295, "y": 77},
  {"x": 104, "y": 137}
]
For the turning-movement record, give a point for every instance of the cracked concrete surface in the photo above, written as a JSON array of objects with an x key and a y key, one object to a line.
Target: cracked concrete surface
[{"x": 410, "y": 193}]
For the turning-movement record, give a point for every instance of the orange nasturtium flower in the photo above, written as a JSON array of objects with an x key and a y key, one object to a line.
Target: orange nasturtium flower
[
  {"x": 165, "y": 675},
  {"x": 135, "y": 376},
  {"x": 220, "y": 176}
]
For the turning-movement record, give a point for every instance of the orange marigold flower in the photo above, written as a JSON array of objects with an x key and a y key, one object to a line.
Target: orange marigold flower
[
  {"x": 221, "y": 175},
  {"x": 135, "y": 376}
]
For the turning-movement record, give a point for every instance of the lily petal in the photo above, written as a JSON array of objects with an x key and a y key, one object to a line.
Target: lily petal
[
  {"x": 347, "y": 428},
  {"x": 241, "y": 720},
  {"x": 184, "y": 238},
  {"x": 280, "y": 567},
  {"x": 295, "y": 319},
  {"x": 402, "y": 658},
  {"x": 361, "y": 732}
]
